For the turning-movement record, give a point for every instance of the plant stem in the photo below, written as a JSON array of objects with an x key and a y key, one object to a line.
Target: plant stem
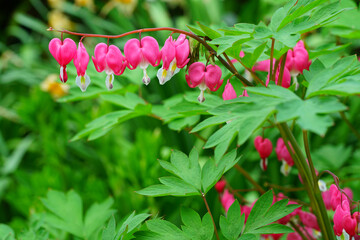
[
  {"x": 297, "y": 229},
  {"x": 308, "y": 155},
  {"x": 316, "y": 201},
  {"x": 248, "y": 177},
  {"x": 271, "y": 59},
  {"x": 282, "y": 67},
  {"x": 352, "y": 128},
  {"x": 194, "y": 36},
  {"x": 208, "y": 209}
]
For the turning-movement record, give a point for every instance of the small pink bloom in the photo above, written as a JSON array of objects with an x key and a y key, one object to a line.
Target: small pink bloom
[
  {"x": 220, "y": 185},
  {"x": 309, "y": 220},
  {"x": 229, "y": 91},
  {"x": 263, "y": 66},
  {"x": 81, "y": 60},
  {"x": 245, "y": 210},
  {"x": 264, "y": 148},
  {"x": 284, "y": 155},
  {"x": 342, "y": 218},
  {"x": 286, "y": 80},
  {"x": 337, "y": 197},
  {"x": 204, "y": 77},
  {"x": 245, "y": 94},
  {"x": 327, "y": 199},
  {"x": 175, "y": 55},
  {"x": 109, "y": 59},
  {"x": 227, "y": 199},
  {"x": 142, "y": 53},
  {"x": 63, "y": 52},
  {"x": 297, "y": 60},
  {"x": 272, "y": 236}
]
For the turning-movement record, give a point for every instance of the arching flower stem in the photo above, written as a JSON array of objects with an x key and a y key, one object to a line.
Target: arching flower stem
[{"x": 244, "y": 81}]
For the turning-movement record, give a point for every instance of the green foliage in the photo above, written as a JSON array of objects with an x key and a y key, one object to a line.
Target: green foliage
[
  {"x": 232, "y": 225},
  {"x": 126, "y": 230},
  {"x": 67, "y": 214},
  {"x": 194, "y": 227},
  {"x": 191, "y": 178},
  {"x": 264, "y": 213}
]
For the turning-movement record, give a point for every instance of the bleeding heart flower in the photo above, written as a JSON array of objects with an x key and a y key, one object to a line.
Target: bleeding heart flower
[
  {"x": 297, "y": 60},
  {"x": 142, "y": 53},
  {"x": 337, "y": 197},
  {"x": 174, "y": 55},
  {"x": 344, "y": 221},
  {"x": 309, "y": 220},
  {"x": 283, "y": 154},
  {"x": 227, "y": 199},
  {"x": 264, "y": 148},
  {"x": 286, "y": 79},
  {"x": 109, "y": 59},
  {"x": 204, "y": 77},
  {"x": 220, "y": 185},
  {"x": 229, "y": 91},
  {"x": 63, "y": 52},
  {"x": 81, "y": 61}
]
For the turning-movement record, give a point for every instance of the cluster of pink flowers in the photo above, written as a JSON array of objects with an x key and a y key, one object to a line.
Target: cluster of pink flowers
[
  {"x": 138, "y": 53},
  {"x": 109, "y": 58},
  {"x": 264, "y": 147},
  {"x": 309, "y": 225},
  {"x": 345, "y": 223},
  {"x": 297, "y": 60}
]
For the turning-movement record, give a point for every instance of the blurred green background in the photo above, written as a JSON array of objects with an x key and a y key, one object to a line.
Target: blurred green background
[{"x": 39, "y": 115}]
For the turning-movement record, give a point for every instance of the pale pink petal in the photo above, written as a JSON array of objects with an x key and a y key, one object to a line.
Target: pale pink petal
[
  {"x": 229, "y": 91},
  {"x": 150, "y": 50},
  {"x": 196, "y": 74},
  {"x": 212, "y": 77}
]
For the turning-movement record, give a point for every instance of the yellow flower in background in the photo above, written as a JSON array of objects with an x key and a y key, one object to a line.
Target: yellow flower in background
[
  {"x": 127, "y": 7},
  {"x": 58, "y": 20},
  {"x": 57, "y": 4},
  {"x": 85, "y": 3},
  {"x": 52, "y": 86}
]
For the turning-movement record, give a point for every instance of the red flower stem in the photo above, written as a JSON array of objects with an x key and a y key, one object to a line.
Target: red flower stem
[
  {"x": 282, "y": 67},
  {"x": 243, "y": 80},
  {"x": 271, "y": 59},
  {"x": 208, "y": 209}
]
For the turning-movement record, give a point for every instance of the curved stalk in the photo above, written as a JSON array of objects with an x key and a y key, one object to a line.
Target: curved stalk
[
  {"x": 244, "y": 81},
  {"x": 208, "y": 209},
  {"x": 316, "y": 201}
]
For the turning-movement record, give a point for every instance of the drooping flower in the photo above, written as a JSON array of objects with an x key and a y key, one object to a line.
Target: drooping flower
[
  {"x": 109, "y": 59},
  {"x": 63, "y": 52},
  {"x": 264, "y": 66},
  {"x": 286, "y": 79},
  {"x": 344, "y": 221},
  {"x": 142, "y": 53},
  {"x": 337, "y": 197},
  {"x": 297, "y": 60},
  {"x": 229, "y": 91},
  {"x": 175, "y": 55},
  {"x": 220, "y": 185},
  {"x": 204, "y": 77},
  {"x": 264, "y": 148},
  {"x": 81, "y": 60},
  {"x": 284, "y": 156},
  {"x": 309, "y": 220}
]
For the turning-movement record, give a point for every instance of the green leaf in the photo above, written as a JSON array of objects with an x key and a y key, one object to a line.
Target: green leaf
[
  {"x": 96, "y": 216},
  {"x": 194, "y": 227},
  {"x": 231, "y": 225},
  {"x": 310, "y": 114},
  {"x": 166, "y": 230},
  {"x": 109, "y": 231},
  {"x": 129, "y": 225},
  {"x": 6, "y": 232},
  {"x": 129, "y": 101},
  {"x": 273, "y": 229},
  {"x": 211, "y": 33},
  {"x": 66, "y": 213},
  {"x": 264, "y": 213},
  {"x": 343, "y": 78}
]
